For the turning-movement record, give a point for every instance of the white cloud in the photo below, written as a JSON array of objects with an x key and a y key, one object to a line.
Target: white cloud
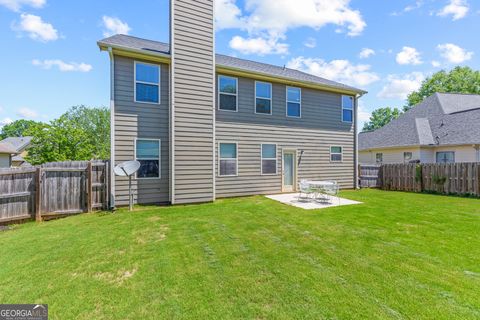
[
  {"x": 27, "y": 113},
  {"x": 337, "y": 70},
  {"x": 5, "y": 121},
  {"x": 271, "y": 19},
  {"x": 411, "y": 7},
  {"x": 409, "y": 55},
  {"x": 436, "y": 64},
  {"x": 114, "y": 26},
  {"x": 36, "y": 28},
  {"x": 16, "y": 5},
  {"x": 366, "y": 53},
  {"x": 453, "y": 53},
  {"x": 62, "y": 66},
  {"x": 258, "y": 45},
  {"x": 458, "y": 9},
  {"x": 398, "y": 87},
  {"x": 310, "y": 43}
]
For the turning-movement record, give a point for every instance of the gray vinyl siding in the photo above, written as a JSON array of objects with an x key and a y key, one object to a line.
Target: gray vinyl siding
[
  {"x": 319, "y": 128},
  {"x": 193, "y": 100},
  {"x": 140, "y": 120}
]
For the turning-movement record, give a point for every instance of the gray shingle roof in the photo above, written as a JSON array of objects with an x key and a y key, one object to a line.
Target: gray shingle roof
[
  {"x": 19, "y": 143},
  {"x": 6, "y": 147},
  {"x": 155, "y": 47},
  {"x": 441, "y": 119}
]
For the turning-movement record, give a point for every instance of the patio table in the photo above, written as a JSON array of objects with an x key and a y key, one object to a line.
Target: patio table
[{"x": 319, "y": 186}]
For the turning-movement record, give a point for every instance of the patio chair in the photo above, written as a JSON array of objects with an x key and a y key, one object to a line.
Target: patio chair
[
  {"x": 305, "y": 190},
  {"x": 331, "y": 191}
]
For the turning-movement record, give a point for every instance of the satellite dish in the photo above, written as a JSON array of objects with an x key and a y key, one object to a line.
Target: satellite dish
[{"x": 127, "y": 169}]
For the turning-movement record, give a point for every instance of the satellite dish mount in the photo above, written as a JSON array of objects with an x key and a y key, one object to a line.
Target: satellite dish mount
[{"x": 128, "y": 169}]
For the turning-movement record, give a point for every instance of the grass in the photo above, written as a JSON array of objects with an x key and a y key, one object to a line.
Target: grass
[{"x": 397, "y": 256}]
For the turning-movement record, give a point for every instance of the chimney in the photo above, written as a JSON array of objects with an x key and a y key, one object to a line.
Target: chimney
[{"x": 192, "y": 85}]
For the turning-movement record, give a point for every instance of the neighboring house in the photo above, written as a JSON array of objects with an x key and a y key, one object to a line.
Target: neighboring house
[
  {"x": 14, "y": 151},
  {"x": 207, "y": 126},
  {"x": 21, "y": 145},
  {"x": 443, "y": 128},
  {"x": 6, "y": 151}
]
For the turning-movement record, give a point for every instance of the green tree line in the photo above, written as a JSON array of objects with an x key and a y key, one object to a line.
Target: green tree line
[{"x": 81, "y": 133}]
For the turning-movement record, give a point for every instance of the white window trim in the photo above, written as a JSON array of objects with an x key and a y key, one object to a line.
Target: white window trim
[
  {"x": 226, "y": 93},
  {"x": 144, "y": 82},
  {"x": 262, "y": 158},
  {"x": 405, "y": 153},
  {"x": 446, "y": 151},
  {"x": 381, "y": 161},
  {"x": 353, "y": 108},
  {"x": 287, "y": 101},
  {"x": 159, "y": 157},
  {"x": 331, "y": 153},
  {"x": 220, "y": 158},
  {"x": 271, "y": 98}
]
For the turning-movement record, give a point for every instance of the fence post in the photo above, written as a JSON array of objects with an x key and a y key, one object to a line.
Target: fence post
[
  {"x": 89, "y": 187},
  {"x": 38, "y": 194}
]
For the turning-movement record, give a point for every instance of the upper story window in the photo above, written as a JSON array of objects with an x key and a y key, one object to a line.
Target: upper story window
[
  {"x": 379, "y": 157},
  {"x": 228, "y": 159},
  {"x": 445, "y": 157},
  {"x": 347, "y": 108},
  {"x": 227, "y": 91},
  {"x": 294, "y": 102},
  {"x": 147, "y": 152},
  {"x": 336, "y": 154},
  {"x": 269, "y": 158},
  {"x": 263, "y": 97},
  {"x": 147, "y": 82}
]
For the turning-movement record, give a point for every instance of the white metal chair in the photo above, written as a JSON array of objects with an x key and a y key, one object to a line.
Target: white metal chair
[
  {"x": 305, "y": 190},
  {"x": 331, "y": 190}
]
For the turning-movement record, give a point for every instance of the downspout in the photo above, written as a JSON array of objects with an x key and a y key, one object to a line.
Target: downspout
[
  {"x": 355, "y": 142},
  {"x": 172, "y": 106},
  {"x": 112, "y": 127}
]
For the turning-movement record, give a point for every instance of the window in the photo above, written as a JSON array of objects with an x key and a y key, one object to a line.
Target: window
[
  {"x": 347, "y": 108},
  {"x": 336, "y": 154},
  {"x": 379, "y": 157},
  {"x": 147, "y": 83},
  {"x": 446, "y": 157},
  {"x": 269, "y": 158},
  {"x": 147, "y": 152},
  {"x": 227, "y": 91},
  {"x": 407, "y": 156},
  {"x": 263, "y": 97},
  {"x": 228, "y": 159},
  {"x": 294, "y": 102}
]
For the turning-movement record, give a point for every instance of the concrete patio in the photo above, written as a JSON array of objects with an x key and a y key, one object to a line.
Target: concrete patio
[{"x": 310, "y": 204}]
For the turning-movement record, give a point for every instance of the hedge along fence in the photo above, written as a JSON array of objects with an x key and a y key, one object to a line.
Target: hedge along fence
[
  {"x": 53, "y": 189},
  {"x": 445, "y": 178}
]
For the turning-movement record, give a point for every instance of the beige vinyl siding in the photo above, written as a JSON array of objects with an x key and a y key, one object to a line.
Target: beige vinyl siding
[
  {"x": 140, "y": 120},
  {"x": 424, "y": 154},
  {"x": 314, "y": 163},
  {"x": 389, "y": 155},
  {"x": 193, "y": 100}
]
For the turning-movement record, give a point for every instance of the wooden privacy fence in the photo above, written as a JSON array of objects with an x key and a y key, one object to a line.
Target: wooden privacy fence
[
  {"x": 53, "y": 189},
  {"x": 446, "y": 178},
  {"x": 369, "y": 176}
]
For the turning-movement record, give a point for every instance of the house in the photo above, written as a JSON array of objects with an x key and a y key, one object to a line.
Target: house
[
  {"x": 444, "y": 128},
  {"x": 207, "y": 126},
  {"x": 13, "y": 150}
]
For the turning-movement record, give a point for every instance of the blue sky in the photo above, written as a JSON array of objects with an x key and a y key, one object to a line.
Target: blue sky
[{"x": 50, "y": 60}]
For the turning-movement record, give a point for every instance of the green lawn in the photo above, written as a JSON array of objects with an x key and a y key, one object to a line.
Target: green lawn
[{"x": 397, "y": 256}]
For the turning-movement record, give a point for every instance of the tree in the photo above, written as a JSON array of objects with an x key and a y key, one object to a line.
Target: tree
[
  {"x": 381, "y": 117},
  {"x": 79, "y": 134},
  {"x": 19, "y": 128},
  {"x": 458, "y": 80}
]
